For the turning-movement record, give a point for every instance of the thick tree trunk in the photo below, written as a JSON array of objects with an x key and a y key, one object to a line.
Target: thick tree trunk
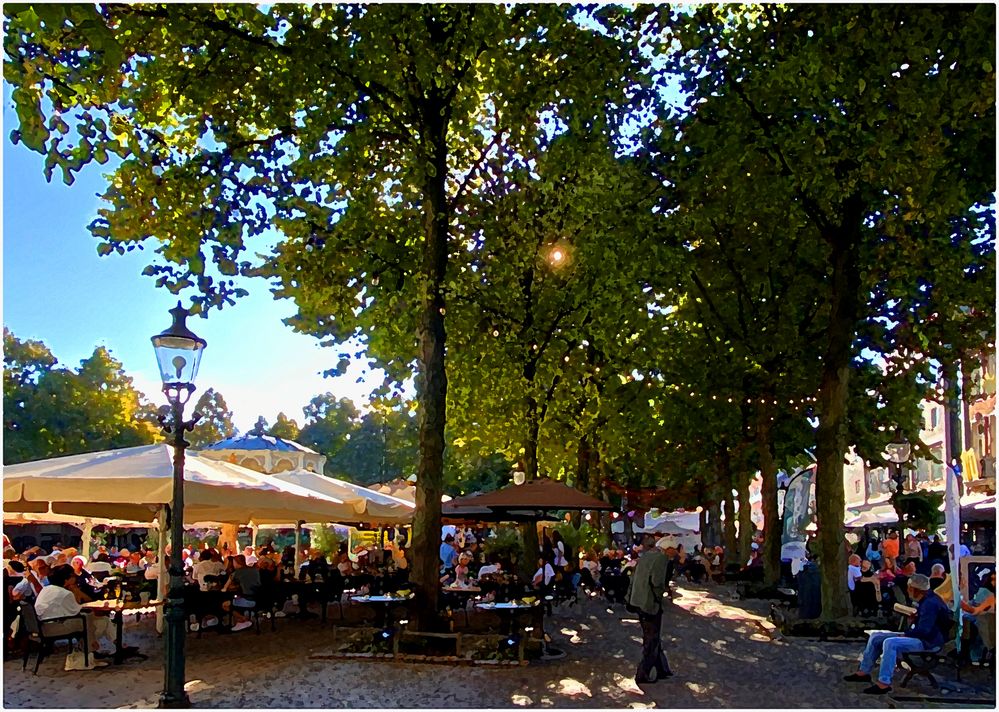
[
  {"x": 529, "y": 531},
  {"x": 746, "y": 526},
  {"x": 772, "y": 524},
  {"x": 712, "y": 531},
  {"x": 600, "y": 521},
  {"x": 830, "y": 438},
  {"x": 583, "y": 464},
  {"x": 432, "y": 388},
  {"x": 581, "y": 480}
]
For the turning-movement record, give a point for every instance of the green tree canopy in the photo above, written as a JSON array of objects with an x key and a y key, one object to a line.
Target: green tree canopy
[
  {"x": 216, "y": 420},
  {"x": 51, "y": 411},
  {"x": 873, "y": 128}
]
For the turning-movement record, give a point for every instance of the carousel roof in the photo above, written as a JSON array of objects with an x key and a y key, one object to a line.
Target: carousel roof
[{"x": 257, "y": 439}]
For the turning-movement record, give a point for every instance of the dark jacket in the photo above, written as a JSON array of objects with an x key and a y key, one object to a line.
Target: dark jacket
[{"x": 933, "y": 619}]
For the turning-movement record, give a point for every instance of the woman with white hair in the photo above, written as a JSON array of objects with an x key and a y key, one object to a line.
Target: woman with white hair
[
  {"x": 85, "y": 580},
  {"x": 937, "y": 575}
]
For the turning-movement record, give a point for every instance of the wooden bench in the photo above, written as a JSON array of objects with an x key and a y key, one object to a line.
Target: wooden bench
[
  {"x": 924, "y": 663},
  {"x": 413, "y": 634}
]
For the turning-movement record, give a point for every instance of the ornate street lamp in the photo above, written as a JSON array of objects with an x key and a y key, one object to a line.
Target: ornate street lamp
[
  {"x": 178, "y": 353},
  {"x": 897, "y": 453}
]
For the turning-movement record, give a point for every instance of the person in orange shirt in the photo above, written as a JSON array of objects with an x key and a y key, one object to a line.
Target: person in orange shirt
[{"x": 889, "y": 547}]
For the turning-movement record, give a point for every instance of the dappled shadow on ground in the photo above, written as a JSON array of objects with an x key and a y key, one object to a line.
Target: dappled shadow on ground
[{"x": 719, "y": 648}]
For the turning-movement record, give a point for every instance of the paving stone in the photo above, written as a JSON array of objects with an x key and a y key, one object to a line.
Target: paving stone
[{"x": 723, "y": 652}]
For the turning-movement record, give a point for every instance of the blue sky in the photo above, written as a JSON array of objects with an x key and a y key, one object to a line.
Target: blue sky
[{"x": 58, "y": 290}]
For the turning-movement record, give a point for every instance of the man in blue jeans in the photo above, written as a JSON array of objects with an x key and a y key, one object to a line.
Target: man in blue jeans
[{"x": 927, "y": 632}]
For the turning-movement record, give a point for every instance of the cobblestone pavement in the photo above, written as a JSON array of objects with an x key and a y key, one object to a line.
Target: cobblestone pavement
[{"x": 723, "y": 651}]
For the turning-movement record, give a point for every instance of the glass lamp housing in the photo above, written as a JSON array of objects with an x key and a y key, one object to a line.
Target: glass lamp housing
[
  {"x": 898, "y": 452},
  {"x": 178, "y": 351}
]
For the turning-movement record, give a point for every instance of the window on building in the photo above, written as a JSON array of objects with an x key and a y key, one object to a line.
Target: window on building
[
  {"x": 856, "y": 486},
  {"x": 933, "y": 419}
]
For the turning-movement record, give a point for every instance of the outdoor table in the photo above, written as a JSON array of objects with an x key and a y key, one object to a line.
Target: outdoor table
[
  {"x": 462, "y": 594},
  {"x": 307, "y": 591},
  {"x": 507, "y": 611},
  {"x": 383, "y": 605},
  {"x": 119, "y": 608}
]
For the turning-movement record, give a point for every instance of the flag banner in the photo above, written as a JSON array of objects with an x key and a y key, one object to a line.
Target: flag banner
[
  {"x": 798, "y": 511},
  {"x": 952, "y": 525}
]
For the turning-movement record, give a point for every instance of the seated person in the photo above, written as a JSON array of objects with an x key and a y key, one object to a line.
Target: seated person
[
  {"x": 853, "y": 573},
  {"x": 887, "y": 572},
  {"x": 544, "y": 575},
  {"x": 608, "y": 561},
  {"x": 902, "y": 580},
  {"x": 345, "y": 565},
  {"x": 58, "y": 601},
  {"x": 102, "y": 555},
  {"x": 209, "y": 564},
  {"x": 34, "y": 580},
  {"x": 121, "y": 559},
  {"x": 718, "y": 566},
  {"x": 984, "y": 601},
  {"x": 493, "y": 567},
  {"x": 866, "y": 595},
  {"x": 589, "y": 569},
  {"x": 696, "y": 570},
  {"x": 134, "y": 565},
  {"x": 251, "y": 558},
  {"x": 398, "y": 556},
  {"x": 928, "y": 631},
  {"x": 85, "y": 580},
  {"x": 316, "y": 568},
  {"x": 462, "y": 573},
  {"x": 270, "y": 594},
  {"x": 937, "y": 575},
  {"x": 246, "y": 580},
  {"x": 152, "y": 572}
]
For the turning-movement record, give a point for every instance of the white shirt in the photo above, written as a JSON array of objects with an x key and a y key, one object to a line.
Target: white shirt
[
  {"x": 488, "y": 569},
  {"x": 549, "y": 573},
  {"x": 55, "y": 602},
  {"x": 25, "y": 589},
  {"x": 207, "y": 568},
  {"x": 251, "y": 559},
  {"x": 852, "y": 574},
  {"x": 560, "y": 554}
]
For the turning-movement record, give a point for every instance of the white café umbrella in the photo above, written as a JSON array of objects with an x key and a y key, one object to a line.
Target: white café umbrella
[
  {"x": 132, "y": 484},
  {"x": 370, "y": 506}
]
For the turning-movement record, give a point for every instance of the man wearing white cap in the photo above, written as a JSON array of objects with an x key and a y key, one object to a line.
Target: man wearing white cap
[{"x": 647, "y": 590}]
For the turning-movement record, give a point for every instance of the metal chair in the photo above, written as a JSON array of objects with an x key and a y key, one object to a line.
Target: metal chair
[{"x": 41, "y": 633}]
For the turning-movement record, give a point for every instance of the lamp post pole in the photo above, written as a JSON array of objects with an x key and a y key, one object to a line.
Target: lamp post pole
[
  {"x": 897, "y": 453},
  {"x": 174, "y": 694},
  {"x": 178, "y": 354}
]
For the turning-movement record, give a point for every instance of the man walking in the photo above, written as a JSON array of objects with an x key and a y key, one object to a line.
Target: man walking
[{"x": 647, "y": 589}]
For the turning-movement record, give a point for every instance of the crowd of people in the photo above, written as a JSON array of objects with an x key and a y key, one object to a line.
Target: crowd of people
[
  {"x": 57, "y": 583},
  {"x": 909, "y": 576}
]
